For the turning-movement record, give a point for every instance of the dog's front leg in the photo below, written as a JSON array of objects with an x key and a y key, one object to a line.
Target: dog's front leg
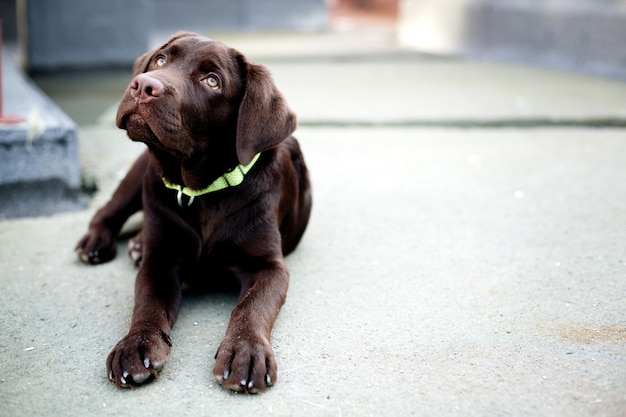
[
  {"x": 245, "y": 360},
  {"x": 99, "y": 244},
  {"x": 140, "y": 355}
]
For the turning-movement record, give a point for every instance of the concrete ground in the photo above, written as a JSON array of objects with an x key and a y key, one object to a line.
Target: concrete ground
[{"x": 455, "y": 264}]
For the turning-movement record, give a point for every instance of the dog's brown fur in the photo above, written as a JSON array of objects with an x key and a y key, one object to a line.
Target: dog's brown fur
[{"x": 203, "y": 108}]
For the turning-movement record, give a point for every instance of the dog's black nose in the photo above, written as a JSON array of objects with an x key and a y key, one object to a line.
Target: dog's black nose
[{"x": 145, "y": 88}]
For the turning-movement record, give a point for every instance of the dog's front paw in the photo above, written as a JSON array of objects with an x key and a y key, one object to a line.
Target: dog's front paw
[
  {"x": 245, "y": 364},
  {"x": 97, "y": 246},
  {"x": 138, "y": 358}
]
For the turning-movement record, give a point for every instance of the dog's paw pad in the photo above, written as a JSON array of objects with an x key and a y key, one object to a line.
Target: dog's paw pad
[
  {"x": 134, "y": 255},
  {"x": 135, "y": 250},
  {"x": 141, "y": 378}
]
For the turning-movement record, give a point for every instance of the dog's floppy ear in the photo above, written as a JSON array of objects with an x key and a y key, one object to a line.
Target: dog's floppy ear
[{"x": 264, "y": 118}]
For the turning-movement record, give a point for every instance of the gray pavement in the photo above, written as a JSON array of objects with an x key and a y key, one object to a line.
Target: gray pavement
[{"x": 445, "y": 271}]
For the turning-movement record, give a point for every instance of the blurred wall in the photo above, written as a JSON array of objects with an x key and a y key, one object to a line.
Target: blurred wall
[
  {"x": 240, "y": 15},
  {"x": 69, "y": 34},
  {"x": 9, "y": 22},
  {"x": 86, "y": 34},
  {"x": 581, "y": 35}
]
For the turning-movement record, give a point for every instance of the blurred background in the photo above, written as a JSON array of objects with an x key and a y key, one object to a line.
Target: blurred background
[{"x": 579, "y": 35}]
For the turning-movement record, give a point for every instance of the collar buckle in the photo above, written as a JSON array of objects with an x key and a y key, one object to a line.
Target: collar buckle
[{"x": 179, "y": 198}]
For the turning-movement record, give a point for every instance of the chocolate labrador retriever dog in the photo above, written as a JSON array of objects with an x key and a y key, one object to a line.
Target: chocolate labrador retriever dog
[{"x": 225, "y": 194}]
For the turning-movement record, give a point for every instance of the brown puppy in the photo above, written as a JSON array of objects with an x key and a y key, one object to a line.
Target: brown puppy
[{"x": 225, "y": 193}]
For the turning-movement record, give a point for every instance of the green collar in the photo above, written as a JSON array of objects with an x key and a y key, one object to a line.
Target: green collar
[{"x": 230, "y": 179}]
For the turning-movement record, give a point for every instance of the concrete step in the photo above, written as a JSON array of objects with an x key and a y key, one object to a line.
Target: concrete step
[{"x": 40, "y": 170}]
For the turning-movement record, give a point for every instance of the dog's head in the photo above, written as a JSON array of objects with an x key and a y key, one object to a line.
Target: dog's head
[{"x": 197, "y": 99}]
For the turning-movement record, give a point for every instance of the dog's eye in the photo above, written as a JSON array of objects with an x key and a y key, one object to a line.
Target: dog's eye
[
  {"x": 160, "y": 61},
  {"x": 212, "y": 81}
]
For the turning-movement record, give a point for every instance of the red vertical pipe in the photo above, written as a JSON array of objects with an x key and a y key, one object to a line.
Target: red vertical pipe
[{"x": 3, "y": 118}]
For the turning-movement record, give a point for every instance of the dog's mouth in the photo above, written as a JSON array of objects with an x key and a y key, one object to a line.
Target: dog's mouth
[{"x": 139, "y": 129}]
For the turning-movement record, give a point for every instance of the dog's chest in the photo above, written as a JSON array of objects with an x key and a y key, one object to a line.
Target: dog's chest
[{"x": 218, "y": 223}]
